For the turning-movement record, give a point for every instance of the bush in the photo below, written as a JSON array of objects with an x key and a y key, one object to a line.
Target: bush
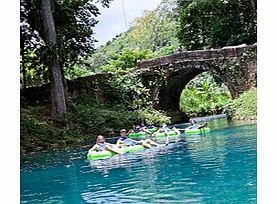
[
  {"x": 204, "y": 96},
  {"x": 245, "y": 106},
  {"x": 154, "y": 117},
  {"x": 126, "y": 60},
  {"x": 34, "y": 130},
  {"x": 82, "y": 123},
  {"x": 195, "y": 103},
  {"x": 217, "y": 23}
]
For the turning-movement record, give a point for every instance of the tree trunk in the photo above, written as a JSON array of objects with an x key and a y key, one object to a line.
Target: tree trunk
[
  {"x": 22, "y": 48},
  {"x": 57, "y": 89},
  {"x": 23, "y": 69},
  {"x": 24, "y": 74},
  {"x": 65, "y": 87}
]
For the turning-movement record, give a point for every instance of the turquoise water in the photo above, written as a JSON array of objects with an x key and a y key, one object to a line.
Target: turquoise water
[{"x": 219, "y": 167}]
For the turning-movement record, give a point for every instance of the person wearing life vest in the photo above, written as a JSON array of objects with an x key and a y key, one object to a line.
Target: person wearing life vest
[
  {"x": 102, "y": 145},
  {"x": 165, "y": 129},
  {"x": 143, "y": 128},
  {"x": 139, "y": 128},
  {"x": 195, "y": 125},
  {"x": 150, "y": 126},
  {"x": 124, "y": 140}
]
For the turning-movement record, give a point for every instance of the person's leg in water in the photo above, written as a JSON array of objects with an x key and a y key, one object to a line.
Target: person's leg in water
[
  {"x": 166, "y": 132},
  {"x": 114, "y": 149},
  {"x": 143, "y": 143},
  {"x": 144, "y": 129},
  {"x": 167, "y": 137},
  {"x": 176, "y": 130},
  {"x": 158, "y": 131},
  {"x": 151, "y": 142},
  {"x": 205, "y": 124},
  {"x": 167, "y": 140}
]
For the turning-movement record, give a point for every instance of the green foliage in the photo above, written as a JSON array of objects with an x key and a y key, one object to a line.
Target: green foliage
[
  {"x": 154, "y": 30},
  {"x": 74, "y": 21},
  {"x": 195, "y": 103},
  {"x": 128, "y": 90},
  {"x": 203, "y": 96},
  {"x": 154, "y": 33},
  {"x": 34, "y": 131},
  {"x": 127, "y": 102},
  {"x": 126, "y": 60},
  {"x": 32, "y": 72},
  {"x": 98, "y": 118},
  {"x": 84, "y": 120},
  {"x": 94, "y": 63},
  {"x": 167, "y": 50},
  {"x": 217, "y": 23},
  {"x": 75, "y": 72},
  {"x": 245, "y": 105},
  {"x": 153, "y": 116}
]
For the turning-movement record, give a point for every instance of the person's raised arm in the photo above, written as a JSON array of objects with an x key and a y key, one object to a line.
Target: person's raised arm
[
  {"x": 189, "y": 127},
  {"x": 133, "y": 140},
  {"x": 156, "y": 131},
  {"x": 93, "y": 148},
  {"x": 115, "y": 150},
  {"x": 111, "y": 145},
  {"x": 118, "y": 142}
]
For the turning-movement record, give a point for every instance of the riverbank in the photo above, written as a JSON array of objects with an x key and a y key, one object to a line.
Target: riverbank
[
  {"x": 82, "y": 123},
  {"x": 244, "y": 107}
]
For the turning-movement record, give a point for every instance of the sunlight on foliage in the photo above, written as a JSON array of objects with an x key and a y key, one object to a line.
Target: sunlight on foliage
[
  {"x": 245, "y": 105},
  {"x": 203, "y": 96}
]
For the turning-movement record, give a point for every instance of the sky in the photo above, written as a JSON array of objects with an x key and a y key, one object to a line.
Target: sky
[{"x": 111, "y": 21}]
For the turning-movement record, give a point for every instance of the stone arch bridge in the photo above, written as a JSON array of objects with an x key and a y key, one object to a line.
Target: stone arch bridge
[{"x": 167, "y": 76}]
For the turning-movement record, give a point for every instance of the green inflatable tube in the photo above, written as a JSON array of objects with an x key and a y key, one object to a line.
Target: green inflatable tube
[
  {"x": 197, "y": 131},
  {"x": 132, "y": 135},
  {"x": 186, "y": 131},
  {"x": 106, "y": 154},
  {"x": 139, "y": 134},
  {"x": 135, "y": 148},
  {"x": 161, "y": 134}
]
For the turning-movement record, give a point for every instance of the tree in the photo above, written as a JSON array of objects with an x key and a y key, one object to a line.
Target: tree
[
  {"x": 126, "y": 60},
  {"x": 57, "y": 88},
  {"x": 155, "y": 31},
  {"x": 217, "y": 23},
  {"x": 33, "y": 72},
  {"x": 61, "y": 32}
]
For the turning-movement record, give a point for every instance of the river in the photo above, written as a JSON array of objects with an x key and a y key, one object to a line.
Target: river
[{"x": 218, "y": 167}]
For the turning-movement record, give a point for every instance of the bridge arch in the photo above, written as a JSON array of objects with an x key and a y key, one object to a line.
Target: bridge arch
[
  {"x": 170, "y": 92},
  {"x": 167, "y": 76}
]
